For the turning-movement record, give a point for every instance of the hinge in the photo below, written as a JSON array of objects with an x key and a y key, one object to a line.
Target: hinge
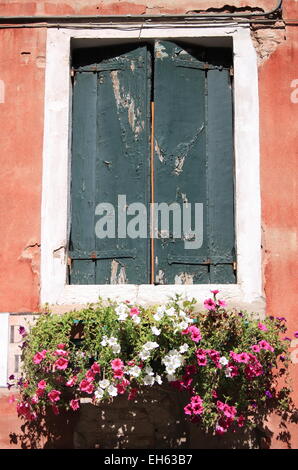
[
  {"x": 232, "y": 71},
  {"x": 72, "y": 72},
  {"x": 234, "y": 266}
]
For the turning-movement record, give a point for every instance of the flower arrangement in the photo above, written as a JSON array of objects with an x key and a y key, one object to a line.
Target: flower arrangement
[{"x": 228, "y": 363}]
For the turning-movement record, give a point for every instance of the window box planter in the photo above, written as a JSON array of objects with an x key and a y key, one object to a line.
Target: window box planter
[{"x": 227, "y": 364}]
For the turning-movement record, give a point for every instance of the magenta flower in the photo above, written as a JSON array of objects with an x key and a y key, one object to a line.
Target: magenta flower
[
  {"x": 71, "y": 382},
  {"x": 210, "y": 304},
  {"x": 241, "y": 421},
  {"x": 55, "y": 409},
  {"x": 39, "y": 356},
  {"x": 61, "y": 363},
  {"x": 220, "y": 430},
  {"x": 118, "y": 373},
  {"x": 296, "y": 334},
  {"x": 117, "y": 364},
  {"x": 265, "y": 345},
  {"x": 255, "y": 348},
  {"x": 134, "y": 311},
  {"x": 195, "y": 334},
  {"x": 42, "y": 384},
  {"x": 95, "y": 368},
  {"x": 54, "y": 395},
  {"x": 74, "y": 404},
  {"x": 262, "y": 327},
  {"x": 222, "y": 303},
  {"x": 132, "y": 394},
  {"x": 215, "y": 291}
]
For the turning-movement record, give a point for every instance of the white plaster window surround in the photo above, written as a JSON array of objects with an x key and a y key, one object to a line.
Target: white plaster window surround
[{"x": 247, "y": 292}]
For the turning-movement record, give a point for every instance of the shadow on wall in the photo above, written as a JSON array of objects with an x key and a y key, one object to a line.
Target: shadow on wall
[
  {"x": 155, "y": 421},
  {"x": 47, "y": 432}
]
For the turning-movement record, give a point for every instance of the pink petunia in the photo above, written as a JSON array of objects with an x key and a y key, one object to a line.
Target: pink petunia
[
  {"x": 74, "y": 404},
  {"x": 255, "y": 348},
  {"x": 39, "y": 356},
  {"x": 195, "y": 333},
  {"x": 215, "y": 291},
  {"x": 95, "y": 368},
  {"x": 61, "y": 363},
  {"x": 210, "y": 304},
  {"x": 42, "y": 384},
  {"x": 133, "y": 393},
  {"x": 134, "y": 311},
  {"x": 84, "y": 385},
  {"x": 222, "y": 303},
  {"x": 265, "y": 345},
  {"x": 72, "y": 381},
  {"x": 117, "y": 364},
  {"x": 90, "y": 375},
  {"x": 118, "y": 373},
  {"x": 262, "y": 327},
  {"x": 220, "y": 430},
  {"x": 55, "y": 409},
  {"x": 54, "y": 395}
]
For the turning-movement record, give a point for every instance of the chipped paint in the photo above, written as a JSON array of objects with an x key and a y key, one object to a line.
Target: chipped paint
[
  {"x": 179, "y": 162},
  {"x": 160, "y": 51},
  {"x": 117, "y": 277},
  {"x": 127, "y": 102},
  {"x": 160, "y": 277},
  {"x": 159, "y": 152},
  {"x": 184, "y": 278},
  {"x": 183, "y": 150}
]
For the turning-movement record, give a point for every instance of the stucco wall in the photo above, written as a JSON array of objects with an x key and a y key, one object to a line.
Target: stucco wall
[{"x": 22, "y": 71}]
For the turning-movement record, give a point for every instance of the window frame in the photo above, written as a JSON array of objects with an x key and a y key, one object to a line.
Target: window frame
[{"x": 247, "y": 293}]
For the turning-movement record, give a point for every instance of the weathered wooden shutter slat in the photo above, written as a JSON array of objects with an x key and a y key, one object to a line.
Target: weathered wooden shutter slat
[
  {"x": 83, "y": 175},
  {"x": 180, "y": 157},
  {"x": 220, "y": 157},
  {"x": 121, "y": 132}
]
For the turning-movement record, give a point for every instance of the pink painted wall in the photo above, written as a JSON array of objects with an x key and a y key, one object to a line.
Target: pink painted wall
[{"x": 22, "y": 62}]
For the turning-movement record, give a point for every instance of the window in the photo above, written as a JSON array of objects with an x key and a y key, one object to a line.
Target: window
[
  {"x": 246, "y": 291},
  {"x": 176, "y": 153}
]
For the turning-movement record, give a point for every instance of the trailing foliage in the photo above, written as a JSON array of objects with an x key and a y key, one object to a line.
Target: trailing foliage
[{"x": 228, "y": 362}]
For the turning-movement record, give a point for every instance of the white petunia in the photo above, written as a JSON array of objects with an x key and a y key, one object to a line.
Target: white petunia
[
  {"x": 158, "y": 379},
  {"x": 116, "y": 348},
  {"x": 155, "y": 330},
  {"x": 104, "y": 383},
  {"x": 99, "y": 393},
  {"x": 182, "y": 325},
  {"x": 170, "y": 312},
  {"x": 112, "y": 391},
  {"x": 183, "y": 348},
  {"x": 134, "y": 371},
  {"x": 136, "y": 319},
  {"x": 148, "y": 370},
  {"x": 144, "y": 355},
  {"x": 223, "y": 361},
  {"x": 122, "y": 312},
  {"x": 104, "y": 341},
  {"x": 148, "y": 380},
  {"x": 150, "y": 345},
  {"x": 159, "y": 313}
]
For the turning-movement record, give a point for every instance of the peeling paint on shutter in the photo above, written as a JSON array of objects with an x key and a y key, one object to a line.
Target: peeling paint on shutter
[
  {"x": 110, "y": 157},
  {"x": 194, "y": 162}
]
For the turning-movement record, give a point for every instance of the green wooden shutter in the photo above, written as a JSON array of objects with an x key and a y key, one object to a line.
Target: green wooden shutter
[
  {"x": 110, "y": 155},
  {"x": 194, "y": 162}
]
